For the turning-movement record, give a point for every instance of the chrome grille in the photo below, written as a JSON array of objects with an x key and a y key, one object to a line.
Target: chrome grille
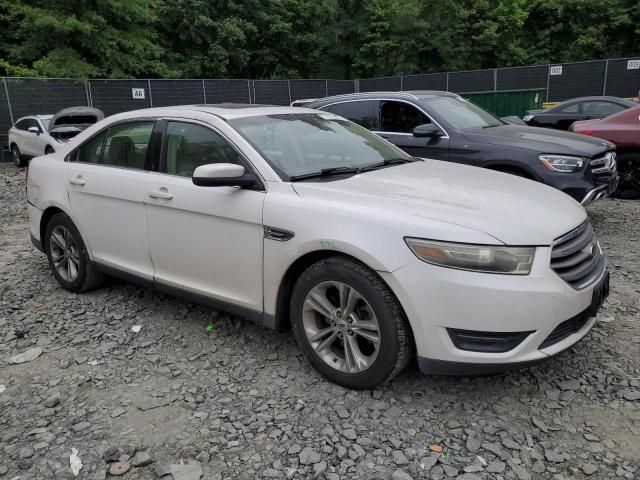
[
  {"x": 604, "y": 165},
  {"x": 576, "y": 257}
]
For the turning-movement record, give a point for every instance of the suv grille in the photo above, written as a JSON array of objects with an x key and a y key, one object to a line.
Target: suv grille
[
  {"x": 603, "y": 166},
  {"x": 576, "y": 257}
]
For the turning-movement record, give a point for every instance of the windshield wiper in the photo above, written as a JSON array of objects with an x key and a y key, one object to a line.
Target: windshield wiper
[
  {"x": 325, "y": 172},
  {"x": 389, "y": 161}
]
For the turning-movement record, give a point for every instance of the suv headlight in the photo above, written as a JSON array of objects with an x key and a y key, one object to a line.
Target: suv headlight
[
  {"x": 476, "y": 258},
  {"x": 562, "y": 163},
  {"x": 527, "y": 118}
]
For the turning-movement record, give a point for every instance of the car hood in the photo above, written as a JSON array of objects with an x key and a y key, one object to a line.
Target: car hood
[
  {"x": 81, "y": 117},
  {"x": 541, "y": 140},
  {"x": 513, "y": 210}
]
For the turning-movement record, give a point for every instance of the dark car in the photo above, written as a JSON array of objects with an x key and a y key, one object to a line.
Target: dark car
[
  {"x": 562, "y": 115},
  {"x": 444, "y": 126},
  {"x": 622, "y": 129}
]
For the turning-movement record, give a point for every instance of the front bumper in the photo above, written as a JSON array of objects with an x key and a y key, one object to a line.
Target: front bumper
[{"x": 437, "y": 300}]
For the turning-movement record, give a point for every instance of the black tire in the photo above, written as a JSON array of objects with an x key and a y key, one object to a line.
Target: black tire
[
  {"x": 88, "y": 277},
  {"x": 629, "y": 171},
  {"x": 48, "y": 150},
  {"x": 396, "y": 341},
  {"x": 18, "y": 160}
]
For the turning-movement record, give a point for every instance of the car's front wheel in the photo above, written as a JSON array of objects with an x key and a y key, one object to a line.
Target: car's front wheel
[
  {"x": 349, "y": 324},
  {"x": 68, "y": 257},
  {"x": 16, "y": 156}
]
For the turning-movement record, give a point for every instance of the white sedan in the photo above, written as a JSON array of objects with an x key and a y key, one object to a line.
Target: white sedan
[{"x": 295, "y": 218}]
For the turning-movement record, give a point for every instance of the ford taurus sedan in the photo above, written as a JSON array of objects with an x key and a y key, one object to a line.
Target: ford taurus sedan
[{"x": 300, "y": 219}]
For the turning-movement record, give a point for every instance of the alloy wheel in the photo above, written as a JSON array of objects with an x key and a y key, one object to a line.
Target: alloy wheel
[
  {"x": 341, "y": 327},
  {"x": 64, "y": 253}
]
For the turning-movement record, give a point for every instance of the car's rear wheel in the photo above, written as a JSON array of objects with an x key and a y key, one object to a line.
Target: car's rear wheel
[
  {"x": 629, "y": 171},
  {"x": 16, "y": 156},
  {"x": 68, "y": 257},
  {"x": 349, "y": 324}
]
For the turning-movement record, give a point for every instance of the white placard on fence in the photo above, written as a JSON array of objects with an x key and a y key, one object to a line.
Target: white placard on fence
[
  {"x": 137, "y": 93},
  {"x": 633, "y": 65},
  {"x": 555, "y": 70}
]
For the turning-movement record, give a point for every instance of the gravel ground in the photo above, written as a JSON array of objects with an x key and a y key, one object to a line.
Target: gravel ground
[{"x": 241, "y": 402}]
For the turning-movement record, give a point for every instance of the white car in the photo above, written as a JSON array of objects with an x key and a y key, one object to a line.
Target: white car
[
  {"x": 42, "y": 134},
  {"x": 296, "y": 218}
]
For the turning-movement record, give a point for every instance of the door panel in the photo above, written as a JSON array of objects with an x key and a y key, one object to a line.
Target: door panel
[
  {"x": 106, "y": 192},
  {"x": 207, "y": 240},
  {"x": 397, "y": 121},
  {"x": 107, "y": 203}
]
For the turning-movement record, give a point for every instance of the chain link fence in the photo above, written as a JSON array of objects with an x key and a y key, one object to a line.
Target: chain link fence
[{"x": 31, "y": 96}]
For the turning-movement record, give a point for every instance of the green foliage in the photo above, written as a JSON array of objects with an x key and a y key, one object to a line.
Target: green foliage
[{"x": 305, "y": 38}]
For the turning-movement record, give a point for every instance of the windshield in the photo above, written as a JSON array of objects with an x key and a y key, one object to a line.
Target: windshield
[
  {"x": 300, "y": 144},
  {"x": 462, "y": 114}
]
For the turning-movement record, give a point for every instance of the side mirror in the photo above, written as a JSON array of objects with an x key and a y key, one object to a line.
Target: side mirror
[
  {"x": 223, "y": 175},
  {"x": 35, "y": 130},
  {"x": 429, "y": 130}
]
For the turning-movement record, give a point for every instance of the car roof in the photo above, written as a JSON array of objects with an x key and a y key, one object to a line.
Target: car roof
[
  {"x": 40, "y": 117},
  {"x": 411, "y": 94},
  {"x": 595, "y": 98},
  {"x": 226, "y": 111}
]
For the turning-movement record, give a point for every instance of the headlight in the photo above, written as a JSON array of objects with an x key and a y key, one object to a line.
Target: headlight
[
  {"x": 526, "y": 118},
  {"x": 562, "y": 163},
  {"x": 477, "y": 258}
]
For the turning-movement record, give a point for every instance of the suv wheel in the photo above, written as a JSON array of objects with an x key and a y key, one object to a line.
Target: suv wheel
[
  {"x": 629, "y": 171},
  {"x": 68, "y": 257},
  {"x": 16, "y": 156},
  {"x": 349, "y": 324}
]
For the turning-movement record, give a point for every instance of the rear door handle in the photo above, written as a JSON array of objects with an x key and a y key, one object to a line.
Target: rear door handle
[
  {"x": 77, "y": 180},
  {"x": 162, "y": 193}
]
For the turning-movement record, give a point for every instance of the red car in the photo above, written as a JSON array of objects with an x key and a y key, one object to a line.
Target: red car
[{"x": 623, "y": 129}]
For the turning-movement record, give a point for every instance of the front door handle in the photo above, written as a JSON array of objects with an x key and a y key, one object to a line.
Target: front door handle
[
  {"x": 77, "y": 180},
  {"x": 162, "y": 193}
]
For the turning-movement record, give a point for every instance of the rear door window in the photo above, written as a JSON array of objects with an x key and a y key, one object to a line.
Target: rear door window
[
  {"x": 363, "y": 112},
  {"x": 601, "y": 108},
  {"x": 400, "y": 117},
  {"x": 22, "y": 124},
  {"x": 91, "y": 150},
  {"x": 575, "y": 108}
]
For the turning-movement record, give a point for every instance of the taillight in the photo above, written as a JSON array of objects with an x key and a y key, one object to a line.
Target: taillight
[{"x": 586, "y": 132}]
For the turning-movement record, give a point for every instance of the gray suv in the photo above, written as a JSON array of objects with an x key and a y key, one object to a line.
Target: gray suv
[{"x": 444, "y": 126}]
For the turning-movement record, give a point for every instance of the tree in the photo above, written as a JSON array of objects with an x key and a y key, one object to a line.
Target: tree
[{"x": 63, "y": 38}]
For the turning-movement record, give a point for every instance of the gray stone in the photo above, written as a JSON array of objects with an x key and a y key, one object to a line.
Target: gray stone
[
  {"x": 52, "y": 400},
  {"x": 349, "y": 434},
  {"x": 589, "y": 468},
  {"x": 308, "y": 456},
  {"x": 392, "y": 412},
  {"x": 401, "y": 475},
  {"x": 496, "y": 467},
  {"x": 399, "y": 457},
  {"x": 25, "y": 452},
  {"x": 428, "y": 462},
  {"x": 473, "y": 443},
  {"x": 571, "y": 384},
  {"x": 141, "y": 459},
  {"x": 631, "y": 396},
  {"x": 271, "y": 473},
  {"x": 553, "y": 456},
  {"x": 26, "y": 356}
]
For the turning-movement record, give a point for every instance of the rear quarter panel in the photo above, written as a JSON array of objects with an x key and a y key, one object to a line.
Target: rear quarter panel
[{"x": 46, "y": 187}]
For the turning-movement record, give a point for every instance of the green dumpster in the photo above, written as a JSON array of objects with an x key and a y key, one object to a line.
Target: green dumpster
[{"x": 507, "y": 102}]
